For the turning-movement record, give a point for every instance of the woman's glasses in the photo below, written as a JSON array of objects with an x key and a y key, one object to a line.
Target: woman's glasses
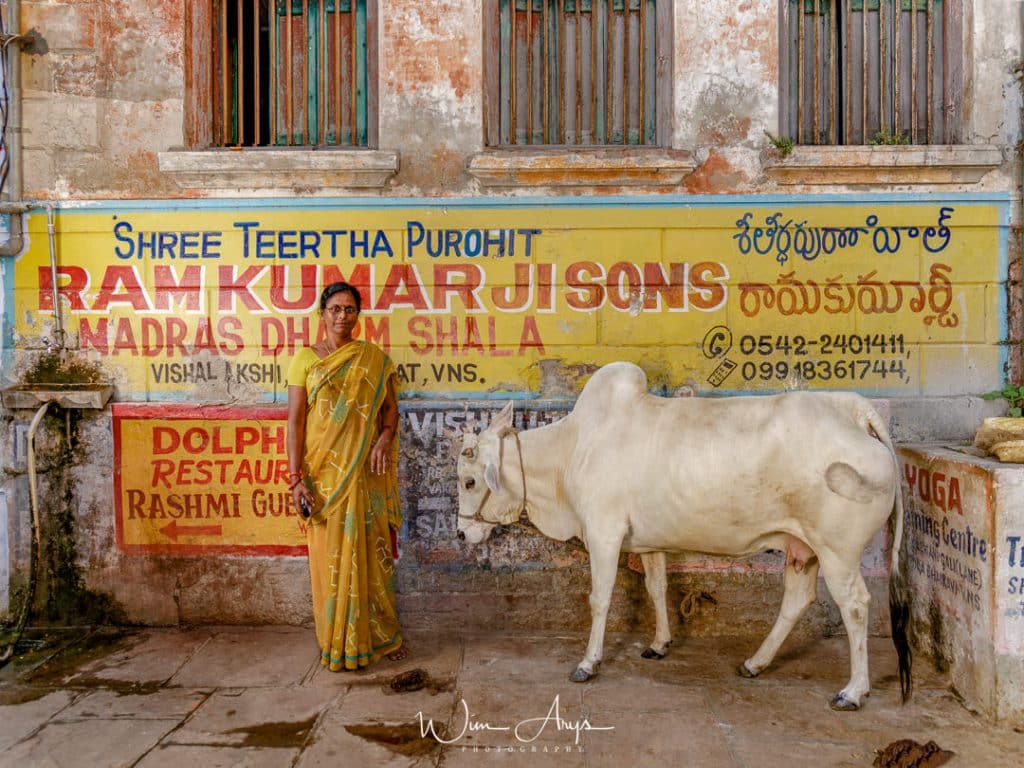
[{"x": 337, "y": 309}]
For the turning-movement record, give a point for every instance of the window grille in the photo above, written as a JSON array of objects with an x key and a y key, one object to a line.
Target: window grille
[
  {"x": 871, "y": 71},
  {"x": 573, "y": 72},
  {"x": 293, "y": 72}
]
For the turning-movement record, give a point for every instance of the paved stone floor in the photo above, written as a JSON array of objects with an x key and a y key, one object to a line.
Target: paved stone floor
[{"x": 257, "y": 696}]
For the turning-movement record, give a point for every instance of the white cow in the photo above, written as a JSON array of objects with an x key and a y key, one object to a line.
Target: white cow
[{"x": 811, "y": 473}]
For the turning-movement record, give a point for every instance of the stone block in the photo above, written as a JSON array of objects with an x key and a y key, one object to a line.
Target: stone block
[
  {"x": 59, "y": 121},
  {"x": 75, "y": 74},
  {"x": 140, "y": 126},
  {"x": 62, "y": 27},
  {"x": 964, "y": 519},
  {"x": 37, "y": 169}
]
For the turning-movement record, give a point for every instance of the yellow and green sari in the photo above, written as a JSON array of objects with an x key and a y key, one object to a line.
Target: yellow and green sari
[{"x": 351, "y": 561}]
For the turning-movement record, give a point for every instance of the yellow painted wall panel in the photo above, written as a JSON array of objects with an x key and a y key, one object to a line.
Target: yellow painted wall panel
[{"x": 484, "y": 295}]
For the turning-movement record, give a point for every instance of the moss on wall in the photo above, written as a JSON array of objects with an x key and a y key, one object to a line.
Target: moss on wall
[{"x": 57, "y": 368}]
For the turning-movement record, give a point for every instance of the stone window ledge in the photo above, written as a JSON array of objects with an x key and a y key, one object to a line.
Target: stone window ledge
[
  {"x": 581, "y": 168},
  {"x": 867, "y": 165},
  {"x": 259, "y": 169}
]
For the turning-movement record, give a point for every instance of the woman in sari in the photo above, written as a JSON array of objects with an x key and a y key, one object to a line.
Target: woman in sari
[{"x": 342, "y": 459}]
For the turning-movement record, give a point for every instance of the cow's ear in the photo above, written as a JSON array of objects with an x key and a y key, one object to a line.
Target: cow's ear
[{"x": 492, "y": 476}]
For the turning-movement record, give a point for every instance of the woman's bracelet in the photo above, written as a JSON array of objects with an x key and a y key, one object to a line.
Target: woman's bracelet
[{"x": 294, "y": 478}]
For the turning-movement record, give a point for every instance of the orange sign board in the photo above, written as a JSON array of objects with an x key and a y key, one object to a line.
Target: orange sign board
[{"x": 203, "y": 479}]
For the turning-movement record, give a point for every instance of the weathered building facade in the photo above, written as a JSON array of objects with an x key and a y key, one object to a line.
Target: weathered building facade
[{"x": 741, "y": 197}]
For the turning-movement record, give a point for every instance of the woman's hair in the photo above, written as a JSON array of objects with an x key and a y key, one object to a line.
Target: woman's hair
[{"x": 340, "y": 287}]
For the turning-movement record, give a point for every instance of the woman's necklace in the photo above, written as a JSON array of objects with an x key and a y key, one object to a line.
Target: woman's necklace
[{"x": 330, "y": 348}]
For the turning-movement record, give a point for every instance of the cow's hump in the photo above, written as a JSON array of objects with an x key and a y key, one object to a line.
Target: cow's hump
[{"x": 614, "y": 386}]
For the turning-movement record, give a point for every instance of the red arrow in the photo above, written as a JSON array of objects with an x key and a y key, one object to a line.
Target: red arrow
[{"x": 172, "y": 530}]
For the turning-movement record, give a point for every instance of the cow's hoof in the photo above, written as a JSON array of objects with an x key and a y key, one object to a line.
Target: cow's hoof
[
  {"x": 842, "y": 704},
  {"x": 744, "y": 671},
  {"x": 580, "y": 675},
  {"x": 650, "y": 653}
]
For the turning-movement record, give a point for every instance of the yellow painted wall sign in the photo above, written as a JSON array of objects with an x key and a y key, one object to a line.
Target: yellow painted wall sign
[
  {"x": 895, "y": 298},
  {"x": 190, "y": 480}
]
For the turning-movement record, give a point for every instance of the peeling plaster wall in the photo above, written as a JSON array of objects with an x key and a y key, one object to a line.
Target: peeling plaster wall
[
  {"x": 108, "y": 86},
  {"x": 430, "y": 98},
  {"x": 994, "y": 99},
  {"x": 726, "y": 91},
  {"x": 105, "y": 92}
]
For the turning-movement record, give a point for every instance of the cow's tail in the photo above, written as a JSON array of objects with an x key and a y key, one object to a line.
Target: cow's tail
[{"x": 899, "y": 591}]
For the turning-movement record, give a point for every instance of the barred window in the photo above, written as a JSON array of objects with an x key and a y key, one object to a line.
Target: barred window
[
  {"x": 575, "y": 72},
  {"x": 293, "y": 72},
  {"x": 871, "y": 71}
]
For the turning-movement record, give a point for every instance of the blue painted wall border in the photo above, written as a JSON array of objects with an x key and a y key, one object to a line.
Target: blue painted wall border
[{"x": 614, "y": 201}]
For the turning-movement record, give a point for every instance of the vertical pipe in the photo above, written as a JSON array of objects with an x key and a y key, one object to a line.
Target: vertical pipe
[
  {"x": 513, "y": 85},
  {"x": 642, "y": 59},
  {"x": 16, "y": 238},
  {"x": 58, "y": 321},
  {"x": 32, "y": 481},
  {"x": 14, "y": 140}
]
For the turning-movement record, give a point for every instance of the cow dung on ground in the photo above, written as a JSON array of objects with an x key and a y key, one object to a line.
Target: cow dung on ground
[{"x": 907, "y": 753}]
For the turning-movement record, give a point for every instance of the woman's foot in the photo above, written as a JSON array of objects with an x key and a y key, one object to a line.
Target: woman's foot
[{"x": 401, "y": 653}]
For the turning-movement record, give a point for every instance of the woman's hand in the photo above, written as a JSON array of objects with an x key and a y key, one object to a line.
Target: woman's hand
[
  {"x": 380, "y": 456},
  {"x": 300, "y": 492}
]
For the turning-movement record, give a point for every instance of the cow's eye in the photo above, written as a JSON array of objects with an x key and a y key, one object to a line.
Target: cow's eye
[
  {"x": 470, "y": 484},
  {"x": 469, "y": 453}
]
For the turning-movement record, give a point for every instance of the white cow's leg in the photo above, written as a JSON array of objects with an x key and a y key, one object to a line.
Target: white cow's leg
[
  {"x": 604, "y": 562},
  {"x": 800, "y": 589},
  {"x": 657, "y": 583},
  {"x": 851, "y": 595}
]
